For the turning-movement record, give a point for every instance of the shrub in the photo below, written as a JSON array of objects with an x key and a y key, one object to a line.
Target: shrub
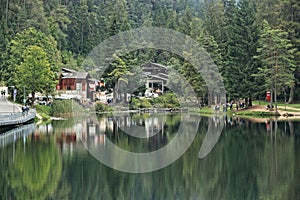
[
  {"x": 45, "y": 117},
  {"x": 167, "y": 100},
  {"x": 101, "y": 107},
  {"x": 43, "y": 109},
  {"x": 135, "y": 104},
  {"x": 64, "y": 108}
]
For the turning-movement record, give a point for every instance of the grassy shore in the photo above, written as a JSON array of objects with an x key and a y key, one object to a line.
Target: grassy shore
[
  {"x": 259, "y": 110},
  {"x": 65, "y": 108},
  {"x": 279, "y": 104}
]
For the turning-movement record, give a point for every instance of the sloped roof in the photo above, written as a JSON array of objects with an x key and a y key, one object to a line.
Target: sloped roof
[
  {"x": 68, "y": 70},
  {"x": 154, "y": 65},
  {"x": 70, "y": 73}
]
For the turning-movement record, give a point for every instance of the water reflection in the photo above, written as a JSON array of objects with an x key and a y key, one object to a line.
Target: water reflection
[
  {"x": 33, "y": 171},
  {"x": 250, "y": 160},
  {"x": 151, "y": 132},
  {"x": 157, "y": 152},
  {"x": 215, "y": 127}
]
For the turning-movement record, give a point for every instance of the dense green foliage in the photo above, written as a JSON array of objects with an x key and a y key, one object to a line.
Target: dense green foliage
[
  {"x": 43, "y": 109},
  {"x": 66, "y": 108},
  {"x": 167, "y": 100},
  {"x": 229, "y": 30},
  {"x": 101, "y": 107},
  {"x": 276, "y": 54}
]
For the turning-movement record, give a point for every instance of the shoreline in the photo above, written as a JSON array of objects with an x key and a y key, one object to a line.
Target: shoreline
[{"x": 255, "y": 113}]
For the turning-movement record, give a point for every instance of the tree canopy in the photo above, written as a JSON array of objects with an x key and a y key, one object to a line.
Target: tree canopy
[{"x": 228, "y": 29}]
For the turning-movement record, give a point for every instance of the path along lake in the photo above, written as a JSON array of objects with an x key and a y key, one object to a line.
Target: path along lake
[{"x": 246, "y": 160}]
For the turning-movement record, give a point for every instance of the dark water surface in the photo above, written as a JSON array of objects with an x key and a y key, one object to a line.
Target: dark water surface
[{"x": 248, "y": 160}]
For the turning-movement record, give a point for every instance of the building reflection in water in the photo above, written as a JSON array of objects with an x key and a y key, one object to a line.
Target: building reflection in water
[{"x": 94, "y": 131}]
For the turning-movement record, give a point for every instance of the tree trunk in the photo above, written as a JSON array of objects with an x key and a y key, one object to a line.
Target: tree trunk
[
  {"x": 292, "y": 94},
  {"x": 209, "y": 101},
  {"x": 275, "y": 98},
  {"x": 116, "y": 92},
  {"x": 247, "y": 102},
  {"x": 271, "y": 100}
]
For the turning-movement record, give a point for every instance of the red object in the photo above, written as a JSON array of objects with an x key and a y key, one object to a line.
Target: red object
[{"x": 268, "y": 96}]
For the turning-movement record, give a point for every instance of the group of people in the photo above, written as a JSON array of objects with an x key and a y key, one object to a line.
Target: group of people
[
  {"x": 229, "y": 105},
  {"x": 25, "y": 109},
  {"x": 3, "y": 92},
  {"x": 269, "y": 107}
]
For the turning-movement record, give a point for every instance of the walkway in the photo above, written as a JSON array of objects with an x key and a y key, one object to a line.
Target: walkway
[
  {"x": 8, "y": 107},
  {"x": 11, "y": 114}
]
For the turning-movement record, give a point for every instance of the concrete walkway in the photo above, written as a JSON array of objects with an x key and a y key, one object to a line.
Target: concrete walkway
[{"x": 8, "y": 107}]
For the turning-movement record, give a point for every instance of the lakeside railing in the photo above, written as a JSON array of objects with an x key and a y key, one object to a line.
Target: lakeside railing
[
  {"x": 12, "y": 135},
  {"x": 7, "y": 119}
]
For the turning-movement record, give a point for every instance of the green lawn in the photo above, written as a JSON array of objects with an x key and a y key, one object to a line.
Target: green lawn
[{"x": 265, "y": 103}]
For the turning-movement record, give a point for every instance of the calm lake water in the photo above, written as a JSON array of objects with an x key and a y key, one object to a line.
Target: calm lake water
[{"x": 226, "y": 158}]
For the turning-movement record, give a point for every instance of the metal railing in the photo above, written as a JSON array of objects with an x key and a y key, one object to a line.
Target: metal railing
[{"x": 7, "y": 119}]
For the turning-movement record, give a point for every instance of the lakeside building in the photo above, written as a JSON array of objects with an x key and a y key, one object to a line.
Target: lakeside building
[
  {"x": 156, "y": 76},
  {"x": 74, "y": 84}
]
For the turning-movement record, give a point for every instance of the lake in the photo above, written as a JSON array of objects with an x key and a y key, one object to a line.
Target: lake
[{"x": 153, "y": 156}]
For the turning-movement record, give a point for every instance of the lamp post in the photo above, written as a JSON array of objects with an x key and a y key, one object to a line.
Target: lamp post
[
  {"x": 24, "y": 99},
  {"x": 14, "y": 97}
]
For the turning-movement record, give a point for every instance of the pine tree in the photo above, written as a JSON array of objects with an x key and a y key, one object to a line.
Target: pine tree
[
  {"x": 120, "y": 73},
  {"x": 58, "y": 25},
  {"x": 276, "y": 55},
  {"x": 238, "y": 49},
  {"x": 117, "y": 17},
  {"x": 290, "y": 14},
  {"x": 232, "y": 71},
  {"x": 213, "y": 18}
]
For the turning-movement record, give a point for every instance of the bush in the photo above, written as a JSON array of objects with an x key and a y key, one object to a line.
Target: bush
[
  {"x": 44, "y": 109},
  {"x": 168, "y": 100},
  {"x": 101, "y": 107},
  {"x": 145, "y": 103},
  {"x": 45, "y": 117},
  {"x": 65, "y": 108},
  {"x": 135, "y": 104}
]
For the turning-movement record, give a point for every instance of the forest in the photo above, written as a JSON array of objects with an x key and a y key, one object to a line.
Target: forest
[{"x": 254, "y": 43}]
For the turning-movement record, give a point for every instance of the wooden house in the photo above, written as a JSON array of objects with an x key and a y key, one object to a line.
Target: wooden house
[
  {"x": 75, "y": 83},
  {"x": 156, "y": 76}
]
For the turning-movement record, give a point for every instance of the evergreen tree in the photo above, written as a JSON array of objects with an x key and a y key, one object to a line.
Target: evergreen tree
[
  {"x": 185, "y": 22},
  {"x": 58, "y": 25},
  {"x": 276, "y": 55},
  {"x": 232, "y": 71},
  {"x": 290, "y": 14},
  {"x": 117, "y": 17},
  {"x": 213, "y": 18},
  {"x": 120, "y": 73},
  {"x": 77, "y": 29},
  {"x": 241, "y": 33}
]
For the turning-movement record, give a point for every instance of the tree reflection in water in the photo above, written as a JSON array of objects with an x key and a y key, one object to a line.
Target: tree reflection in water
[
  {"x": 33, "y": 171},
  {"x": 250, "y": 160},
  {"x": 246, "y": 163}
]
